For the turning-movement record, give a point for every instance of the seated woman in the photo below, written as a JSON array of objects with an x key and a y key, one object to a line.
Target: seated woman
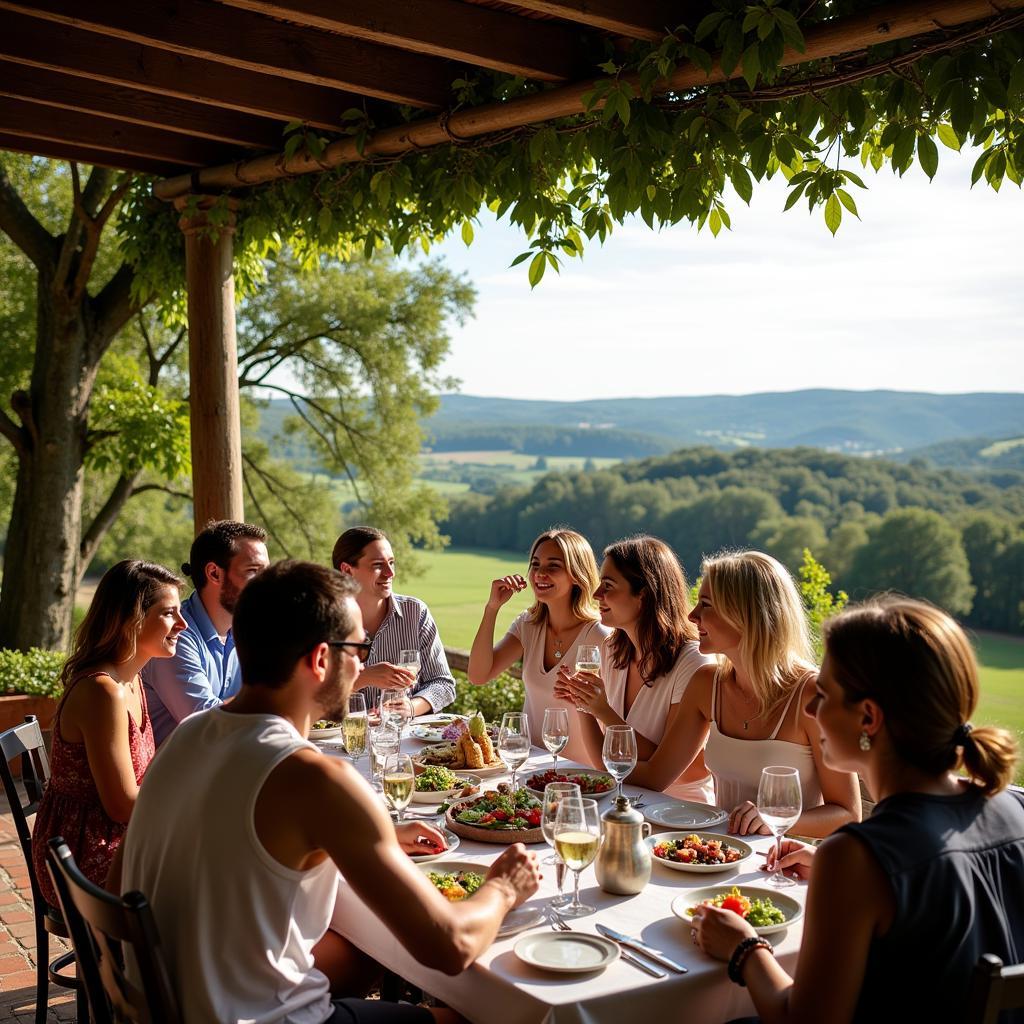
[
  {"x": 102, "y": 735},
  {"x": 563, "y": 575},
  {"x": 394, "y": 623},
  {"x": 901, "y": 906},
  {"x": 649, "y": 660}
]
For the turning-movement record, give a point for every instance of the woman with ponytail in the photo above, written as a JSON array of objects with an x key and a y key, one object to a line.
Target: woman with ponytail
[{"x": 900, "y": 906}]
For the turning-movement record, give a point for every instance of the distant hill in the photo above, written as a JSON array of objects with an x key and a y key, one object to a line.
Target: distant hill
[
  {"x": 857, "y": 422},
  {"x": 970, "y": 453}
]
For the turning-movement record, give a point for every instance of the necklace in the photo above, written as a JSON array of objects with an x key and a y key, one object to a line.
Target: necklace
[
  {"x": 749, "y": 718},
  {"x": 558, "y": 644}
]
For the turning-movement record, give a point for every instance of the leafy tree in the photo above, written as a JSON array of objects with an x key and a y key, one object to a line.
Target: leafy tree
[
  {"x": 919, "y": 553},
  {"x": 843, "y": 543},
  {"x": 818, "y": 600},
  {"x": 789, "y": 539},
  {"x": 995, "y": 552}
]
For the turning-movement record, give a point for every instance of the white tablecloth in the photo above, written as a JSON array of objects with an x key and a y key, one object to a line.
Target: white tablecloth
[{"x": 500, "y": 989}]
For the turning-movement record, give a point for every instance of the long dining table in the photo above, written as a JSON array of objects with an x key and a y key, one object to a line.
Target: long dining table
[{"x": 499, "y": 988}]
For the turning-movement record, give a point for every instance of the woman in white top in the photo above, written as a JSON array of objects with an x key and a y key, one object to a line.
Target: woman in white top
[
  {"x": 563, "y": 575},
  {"x": 750, "y": 615},
  {"x": 649, "y": 661}
]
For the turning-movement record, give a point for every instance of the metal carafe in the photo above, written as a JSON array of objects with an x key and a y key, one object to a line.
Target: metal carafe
[{"x": 623, "y": 863}]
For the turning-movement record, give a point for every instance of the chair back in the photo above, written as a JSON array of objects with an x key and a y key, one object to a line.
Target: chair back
[
  {"x": 994, "y": 988},
  {"x": 25, "y": 741},
  {"x": 104, "y": 930}
]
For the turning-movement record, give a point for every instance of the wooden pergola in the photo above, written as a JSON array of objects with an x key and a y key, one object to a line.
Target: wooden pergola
[{"x": 198, "y": 93}]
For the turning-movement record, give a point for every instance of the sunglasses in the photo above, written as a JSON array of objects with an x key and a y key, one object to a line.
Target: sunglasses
[{"x": 362, "y": 647}]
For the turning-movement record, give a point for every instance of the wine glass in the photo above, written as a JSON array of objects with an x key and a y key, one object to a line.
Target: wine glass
[
  {"x": 410, "y": 660},
  {"x": 588, "y": 659},
  {"x": 619, "y": 752},
  {"x": 514, "y": 741},
  {"x": 577, "y": 837},
  {"x": 385, "y": 740},
  {"x": 555, "y": 732},
  {"x": 779, "y": 802},
  {"x": 354, "y": 727},
  {"x": 554, "y": 794},
  {"x": 398, "y": 705},
  {"x": 398, "y": 782}
]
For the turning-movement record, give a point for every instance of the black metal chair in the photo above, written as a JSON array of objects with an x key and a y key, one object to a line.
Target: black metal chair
[
  {"x": 102, "y": 926},
  {"x": 994, "y": 988},
  {"x": 26, "y": 741}
]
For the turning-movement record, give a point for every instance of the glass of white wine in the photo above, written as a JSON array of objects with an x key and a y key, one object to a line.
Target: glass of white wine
[
  {"x": 779, "y": 802},
  {"x": 555, "y": 732},
  {"x": 554, "y": 794},
  {"x": 577, "y": 838},
  {"x": 619, "y": 752},
  {"x": 409, "y": 660},
  {"x": 354, "y": 727},
  {"x": 398, "y": 782},
  {"x": 588, "y": 659},
  {"x": 514, "y": 741}
]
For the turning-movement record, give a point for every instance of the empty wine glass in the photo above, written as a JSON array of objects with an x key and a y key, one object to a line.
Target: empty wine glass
[
  {"x": 554, "y": 794},
  {"x": 514, "y": 741},
  {"x": 555, "y": 732},
  {"x": 396, "y": 704},
  {"x": 384, "y": 741},
  {"x": 779, "y": 802},
  {"x": 354, "y": 727},
  {"x": 619, "y": 752},
  {"x": 398, "y": 782},
  {"x": 577, "y": 838}
]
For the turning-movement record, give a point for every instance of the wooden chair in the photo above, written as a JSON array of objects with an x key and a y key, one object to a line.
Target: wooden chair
[
  {"x": 101, "y": 926},
  {"x": 994, "y": 988},
  {"x": 26, "y": 741}
]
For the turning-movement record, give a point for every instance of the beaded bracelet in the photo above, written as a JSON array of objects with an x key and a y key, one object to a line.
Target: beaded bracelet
[{"x": 740, "y": 954}]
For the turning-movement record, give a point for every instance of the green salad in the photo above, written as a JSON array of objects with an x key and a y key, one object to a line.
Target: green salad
[
  {"x": 501, "y": 810},
  {"x": 436, "y": 778}
]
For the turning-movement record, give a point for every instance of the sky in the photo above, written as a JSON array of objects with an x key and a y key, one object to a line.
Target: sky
[{"x": 924, "y": 293}]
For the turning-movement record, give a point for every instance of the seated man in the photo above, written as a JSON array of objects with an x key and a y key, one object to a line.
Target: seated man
[
  {"x": 204, "y": 670},
  {"x": 394, "y": 623},
  {"x": 242, "y": 826}
]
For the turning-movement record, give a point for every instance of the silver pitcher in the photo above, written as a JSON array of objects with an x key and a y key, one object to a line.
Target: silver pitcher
[{"x": 623, "y": 863}]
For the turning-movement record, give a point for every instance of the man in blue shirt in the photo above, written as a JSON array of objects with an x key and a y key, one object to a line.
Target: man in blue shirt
[{"x": 204, "y": 671}]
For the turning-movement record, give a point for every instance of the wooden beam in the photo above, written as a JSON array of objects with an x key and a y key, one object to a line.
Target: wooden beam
[
  {"x": 891, "y": 22},
  {"x": 639, "y": 19},
  {"x": 35, "y": 121},
  {"x": 442, "y": 28},
  {"x": 137, "y": 107},
  {"x": 92, "y": 157},
  {"x": 91, "y": 56},
  {"x": 239, "y": 39}
]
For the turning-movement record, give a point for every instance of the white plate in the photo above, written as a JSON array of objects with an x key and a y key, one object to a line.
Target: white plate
[
  {"x": 428, "y": 728},
  {"x": 481, "y": 773},
  {"x": 440, "y": 797},
  {"x": 520, "y": 919},
  {"x": 454, "y": 842},
  {"x": 699, "y": 869},
  {"x": 451, "y": 867},
  {"x": 685, "y": 814},
  {"x": 324, "y": 734},
  {"x": 539, "y": 793},
  {"x": 566, "y": 952},
  {"x": 789, "y": 906}
]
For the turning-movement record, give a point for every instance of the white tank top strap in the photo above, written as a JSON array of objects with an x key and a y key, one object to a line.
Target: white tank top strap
[{"x": 714, "y": 695}]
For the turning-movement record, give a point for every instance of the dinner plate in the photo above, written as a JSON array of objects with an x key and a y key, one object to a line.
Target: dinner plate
[
  {"x": 789, "y": 906},
  {"x": 454, "y": 842},
  {"x": 520, "y": 919},
  {"x": 587, "y": 772},
  {"x": 685, "y": 814},
  {"x": 451, "y": 867},
  {"x": 324, "y": 734},
  {"x": 746, "y": 852},
  {"x": 482, "y": 773},
  {"x": 428, "y": 728},
  {"x": 433, "y": 797},
  {"x": 566, "y": 952}
]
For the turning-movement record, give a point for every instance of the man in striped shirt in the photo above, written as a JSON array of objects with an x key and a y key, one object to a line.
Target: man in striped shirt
[{"x": 394, "y": 623}]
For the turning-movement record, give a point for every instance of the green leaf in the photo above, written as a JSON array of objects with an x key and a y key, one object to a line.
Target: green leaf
[
  {"x": 903, "y": 148},
  {"x": 794, "y": 196},
  {"x": 1015, "y": 88},
  {"x": 740, "y": 178},
  {"x": 708, "y": 24},
  {"x": 520, "y": 258},
  {"x": 715, "y": 222},
  {"x": 537, "y": 268},
  {"x": 948, "y": 137},
  {"x": 928, "y": 154},
  {"x": 847, "y": 200},
  {"x": 979, "y": 167},
  {"x": 751, "y": 65},
  {"x": 855, "y": 178},
  {"x": 731, "y": 50},
  {"x": 467, "y": 232},
  {"x": 790, "y": 29},
  {"x": 833, "y": 214}
]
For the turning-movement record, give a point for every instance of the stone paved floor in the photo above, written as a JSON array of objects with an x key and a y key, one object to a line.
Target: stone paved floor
[{"x": 17, "y": 937}]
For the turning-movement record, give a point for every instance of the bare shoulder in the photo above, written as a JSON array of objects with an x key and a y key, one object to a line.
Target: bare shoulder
[
  {"x": 308, "y": 780},
  {"x": 848, "y": 861},
  {"x": 95, "y": 696},
  {"x": 699, "y": 688}
]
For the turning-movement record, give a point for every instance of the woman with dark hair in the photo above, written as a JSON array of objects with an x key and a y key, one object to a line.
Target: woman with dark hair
[
  {"x": 650, "y": 659},
  {"x": 102, "y": 734},
  {"x": 394, "y": 623},
  {"x": 900, "y": 906}
]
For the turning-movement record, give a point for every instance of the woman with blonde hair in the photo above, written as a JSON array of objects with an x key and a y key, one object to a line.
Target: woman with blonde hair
[
  {"x": 102, "y": 734},
  {"x": 563, "y": 574},
  {"x": 901, "y": 906}
]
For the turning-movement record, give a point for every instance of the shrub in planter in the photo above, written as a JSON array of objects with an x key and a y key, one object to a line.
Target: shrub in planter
[
  {"x": 500, "y": 695},
  {"x": 34, "y": 672}
]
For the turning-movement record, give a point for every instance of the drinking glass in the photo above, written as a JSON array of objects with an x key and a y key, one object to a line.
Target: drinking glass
[
  {"x": 354, "y": 727},
  {"x": 514, "y": 741},
  {"x": 779, "y": 802},
  {"x": 619, "y": 752},
  {"x": 554, "y": 794},
  {"x": 398, "y": 782},
  {"x": 555, "y": 732},
  {"x": 577, "y": 838},
  {"x": 588, "y": 659},
  {"x": 396, "y": 704},
  {"x": 385, "y": 740},
  {"x": 409, "y": 659}
]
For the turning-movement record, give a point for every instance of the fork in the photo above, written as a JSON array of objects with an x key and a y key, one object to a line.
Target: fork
[
  {"x": 559, "y": 925},
  {"x": 636, "y": 802}
]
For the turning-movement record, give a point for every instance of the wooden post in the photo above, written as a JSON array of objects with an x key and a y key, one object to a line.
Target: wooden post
[{"x": 213, "y": 367}]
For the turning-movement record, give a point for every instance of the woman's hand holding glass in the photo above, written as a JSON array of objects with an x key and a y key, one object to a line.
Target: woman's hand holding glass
[
  {"x": 794, "y": 858},
  {"x": 577, "y": 839},
  {"x": 585, "y": 690}
]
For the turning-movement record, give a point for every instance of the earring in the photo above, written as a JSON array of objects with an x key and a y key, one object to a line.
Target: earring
[{"x": 865, "y": 741}]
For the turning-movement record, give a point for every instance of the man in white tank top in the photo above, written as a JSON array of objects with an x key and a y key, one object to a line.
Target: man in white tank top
[{"x": 242, "y": 826}]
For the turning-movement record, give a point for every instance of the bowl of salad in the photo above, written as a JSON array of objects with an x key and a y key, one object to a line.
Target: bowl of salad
[
  {"x": 456, "y": 880},
  {"x": 594, "y": 784},
  {"x": 498, "y": 816},
  {"x": 324, "y": 729},
  {"x": 698, "y": 852},
  {"x": 766, "y": 910},
  {"x": 435, "y": 784}
]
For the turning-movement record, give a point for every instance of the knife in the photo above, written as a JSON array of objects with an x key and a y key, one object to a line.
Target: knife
[
  {"x": 641, "y": 946},
  {"x": 637, "y": 962}
]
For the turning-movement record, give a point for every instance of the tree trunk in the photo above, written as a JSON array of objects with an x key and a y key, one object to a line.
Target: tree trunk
[{"x": 41, "y": 557}]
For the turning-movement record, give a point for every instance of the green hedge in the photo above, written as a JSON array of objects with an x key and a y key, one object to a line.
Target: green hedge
[
  {"x": 35, "y": 672},
  {"x": 502, "y": 694}
]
